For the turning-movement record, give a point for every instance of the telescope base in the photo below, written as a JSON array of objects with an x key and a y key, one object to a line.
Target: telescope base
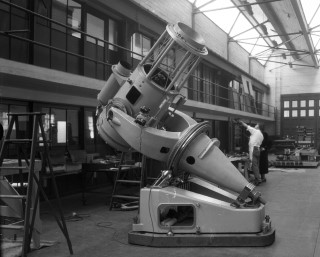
[{"x": 202, "y": 240}]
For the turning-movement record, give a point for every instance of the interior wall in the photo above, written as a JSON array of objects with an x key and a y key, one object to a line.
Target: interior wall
[{"x": 285, "y": 80}]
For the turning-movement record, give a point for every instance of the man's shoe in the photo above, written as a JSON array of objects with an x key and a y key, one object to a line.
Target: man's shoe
[
  {"x": 263, "y": 180},
  {"x": 257, "y": 182}
]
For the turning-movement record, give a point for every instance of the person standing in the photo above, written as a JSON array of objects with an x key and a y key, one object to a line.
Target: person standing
[
  {"x": 255, "y": 141},
  {"x": 1, "y": 131},
  {"x": 264, "y": 161}
]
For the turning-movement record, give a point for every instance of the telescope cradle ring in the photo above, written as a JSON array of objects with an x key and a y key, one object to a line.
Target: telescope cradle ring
[
  {"x": 185, "y": 140},
  {"x": 189, "y": 39}
]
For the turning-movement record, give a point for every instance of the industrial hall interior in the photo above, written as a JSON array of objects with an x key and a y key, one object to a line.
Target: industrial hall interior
[{"x": 160, "y": 128}]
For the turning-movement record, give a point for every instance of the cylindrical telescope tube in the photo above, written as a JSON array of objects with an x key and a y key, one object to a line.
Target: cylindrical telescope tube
[
  {"x": 153, "y": 81},
  {"x": 120, "y": 73}
]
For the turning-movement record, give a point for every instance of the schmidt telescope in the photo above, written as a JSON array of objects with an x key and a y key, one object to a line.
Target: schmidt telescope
[{"x": 200, "y": 199}]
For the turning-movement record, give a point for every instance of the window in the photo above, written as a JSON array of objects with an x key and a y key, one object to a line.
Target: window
[
  {"x": 95, "y": 28},
  {"x": 286, "y": 104},
  {"x": 113, "y": 34},
  {"x": 24, "y": 124},
  {"x": 74, "y": 18},
  {"x": 58, "y": 127},
  {"x": 294, "y": 104},
  {"x": 3, "y": 116},
  {"x": 294, "y": 113},
  {"x": 61, "y": 126},
  {"x": 311, "y": 103},
  {"x": 67, "y": 12},
  {"x": 72, "y": 127},
  {"x": 140, "y": 45},
  {"x": 311, "y": 113},
  {"x": 302, "y": 113},
  {"x": 59, "y": 13},
  {"x": 286, "y": 114},
  {"x": 302, "y": 103},
  {"x": 258, "y": 100},
  {"x": 89, "y": 128}
]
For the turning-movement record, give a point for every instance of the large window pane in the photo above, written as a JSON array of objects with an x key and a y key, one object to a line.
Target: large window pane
[
  {"x": 140, "y": 44},
  {"x": 311, "y": 103},
  {"x": 294, "y": 104},
  {"x": 311, "y": 113},
  {"x": 72, "y": 127},
  {"x": 146, "y": 45},
  {"x": 113, "y": 34},
  {"x": 95, "y": 27},
  {"x": 58, "y": 127},
  {"x": 46, "y": 123},
  {"x": 294, "y": 113},
  {"x": 59, "y": 13},
  {"x": 4, "y": 116},
  {"x": 23, "y": 121},
  {"x": 89, "y": 127},
  {"x": 74, "y": 18},
  {"x": 286, "y": 114}
]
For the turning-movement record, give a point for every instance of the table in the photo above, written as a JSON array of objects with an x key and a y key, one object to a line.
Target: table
[{"x": 106, "y": 167}]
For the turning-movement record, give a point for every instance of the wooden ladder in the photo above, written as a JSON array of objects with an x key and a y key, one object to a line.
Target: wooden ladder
[
  {"x": 29, "y": 203},
  {"x": 119, "y": 179}
]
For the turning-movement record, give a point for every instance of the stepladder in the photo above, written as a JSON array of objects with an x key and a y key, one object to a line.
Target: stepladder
[
  {"x": 21, "y": 208},
  {"x": 128, "y": 175}
]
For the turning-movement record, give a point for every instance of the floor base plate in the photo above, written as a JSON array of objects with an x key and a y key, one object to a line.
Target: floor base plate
[{"x": 204, "y": 240}]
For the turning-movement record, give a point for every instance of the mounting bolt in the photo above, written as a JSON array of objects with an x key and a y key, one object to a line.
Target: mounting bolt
[
  {"x": 170, "y": 233},
  {"x": 198, "y": 230}
]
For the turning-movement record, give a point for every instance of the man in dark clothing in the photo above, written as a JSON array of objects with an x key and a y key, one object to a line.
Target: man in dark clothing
[
  {"x": 264, "y": 151},
  {"x": 1, "y": 131}
]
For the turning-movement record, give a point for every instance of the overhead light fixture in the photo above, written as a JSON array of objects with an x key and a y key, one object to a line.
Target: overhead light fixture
[
  {"x": 284, "y": 56},
  {"x": 290, "y": 64}
]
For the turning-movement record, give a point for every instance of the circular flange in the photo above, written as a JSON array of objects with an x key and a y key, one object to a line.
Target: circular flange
[{"x": 183, "y": 142}]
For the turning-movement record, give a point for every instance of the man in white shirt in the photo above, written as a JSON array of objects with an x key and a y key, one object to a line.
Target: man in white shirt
[{"x": 256, "y": 138}]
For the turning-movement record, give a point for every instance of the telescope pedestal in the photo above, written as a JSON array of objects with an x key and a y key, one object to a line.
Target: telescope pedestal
[{"x": 175, "y": 217}]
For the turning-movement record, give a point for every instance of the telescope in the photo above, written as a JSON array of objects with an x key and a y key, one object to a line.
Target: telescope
[{"x": 200, "y": 199}]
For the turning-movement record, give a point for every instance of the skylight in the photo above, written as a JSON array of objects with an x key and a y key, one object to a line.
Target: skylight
[
  {"x": 253, "y": 31},
  {"x": 312, "y": 12}
]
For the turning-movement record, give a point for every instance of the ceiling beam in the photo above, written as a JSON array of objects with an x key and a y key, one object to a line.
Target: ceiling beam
[
  {"x": 276, "y": 23},
  {"x": 305, "y": 30},
  {"x": 229, "y": 7},
  {"x": 252, "y": 20}
]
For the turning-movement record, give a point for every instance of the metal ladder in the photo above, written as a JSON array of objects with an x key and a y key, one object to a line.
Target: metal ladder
[
  {"x": 30, "y": 201},
  {"x": 126, "y": 169}
]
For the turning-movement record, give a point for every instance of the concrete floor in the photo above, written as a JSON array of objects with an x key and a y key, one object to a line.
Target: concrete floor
[{"x": 293, "y": 204}]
